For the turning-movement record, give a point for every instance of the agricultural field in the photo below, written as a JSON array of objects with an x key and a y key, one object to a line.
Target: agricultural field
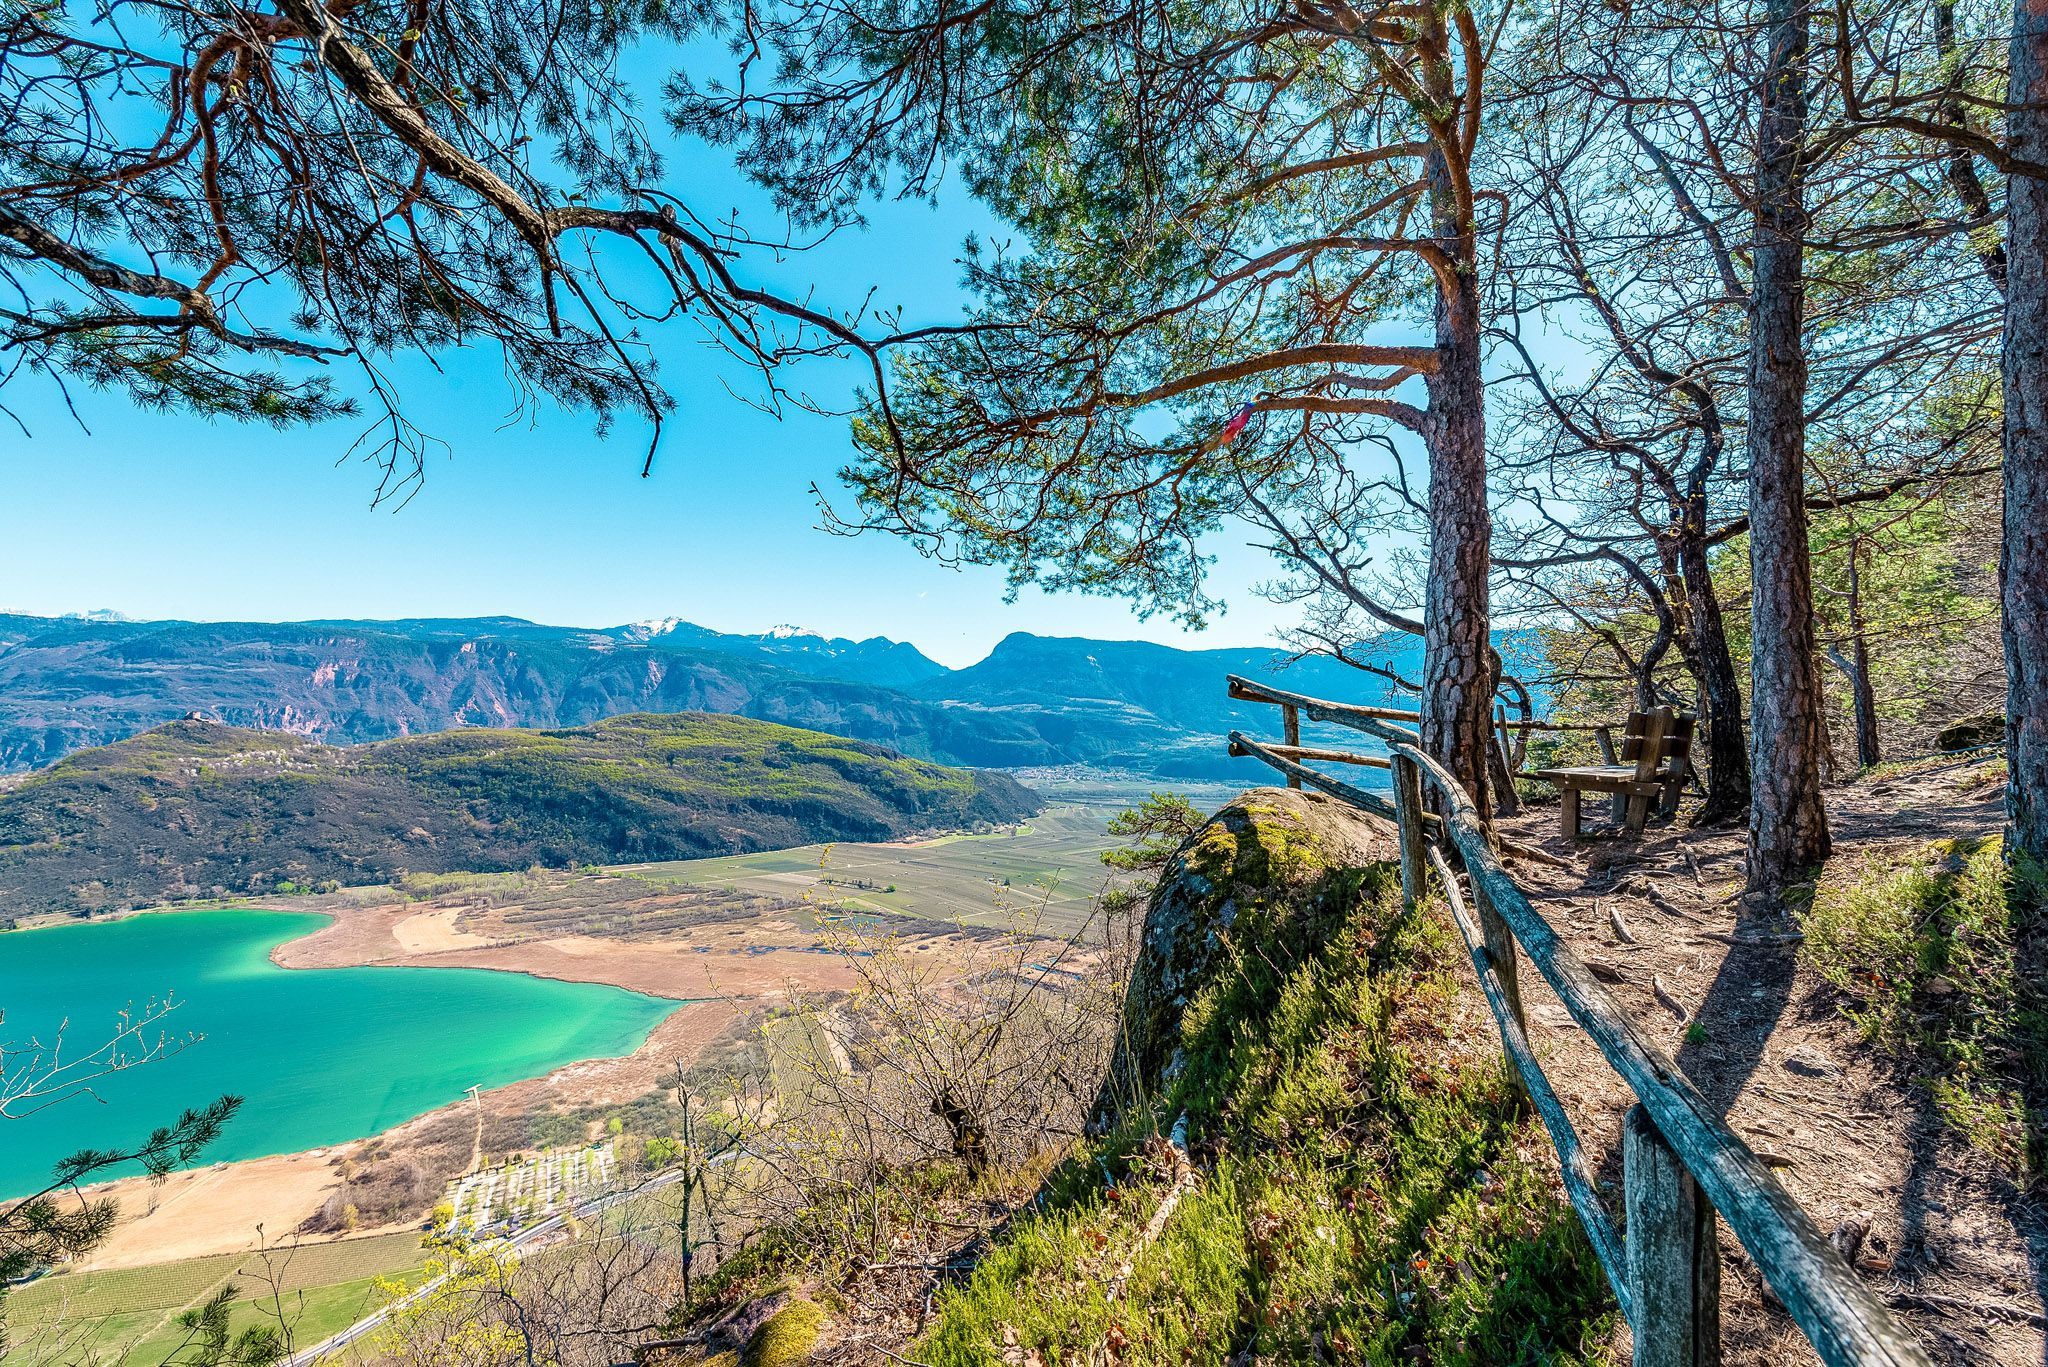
[
  {"x": 129, "y": 1317},
  {"x": 524, "y": 1190},
  {"x": 1044, "y": 873}
]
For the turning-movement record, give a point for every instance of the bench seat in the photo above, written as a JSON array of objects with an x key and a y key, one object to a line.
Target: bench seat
[
  {"x": 1655, "y": 755},
  {"x": 1605, "y": 778}
]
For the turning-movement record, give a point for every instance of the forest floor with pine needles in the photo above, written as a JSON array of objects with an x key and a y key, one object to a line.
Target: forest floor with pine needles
[{"x": 1879, "y": 1041}]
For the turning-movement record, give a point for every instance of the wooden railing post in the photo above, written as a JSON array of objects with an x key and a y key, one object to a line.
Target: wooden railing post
[
  {"x": 1500, "y": 947},
  {"x": 1290, "y": 727},
  {"x": 1408, "y": 807},
  {"x": 1672, "y": 1252}
]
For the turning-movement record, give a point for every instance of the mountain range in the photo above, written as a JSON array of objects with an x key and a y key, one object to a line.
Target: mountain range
[{"x": 74, "y": 682}]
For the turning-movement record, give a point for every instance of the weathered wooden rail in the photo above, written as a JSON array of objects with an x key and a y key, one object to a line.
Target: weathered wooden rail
[{"x": 1681, "y": 1164}]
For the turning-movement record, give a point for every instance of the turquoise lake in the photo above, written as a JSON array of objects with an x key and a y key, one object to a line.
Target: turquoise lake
[{"x": 321, "y": 1055}]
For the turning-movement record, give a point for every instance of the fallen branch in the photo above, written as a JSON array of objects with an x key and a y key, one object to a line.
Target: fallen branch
[
  {"x": 1639, "y": 886},
  {"x": 918, "y": 1265},
  {"x": 1998, "y": 1310},
  {"x": 1185, "y": 1179},
  {"x": 1667, "y": 1000},
  {"x": 1515, "y": 849},
  {"x": 1621, "y": 930}
]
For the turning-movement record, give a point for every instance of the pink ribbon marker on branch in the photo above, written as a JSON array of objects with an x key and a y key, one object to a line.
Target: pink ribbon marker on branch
[{"x": 1231, "y": 430}]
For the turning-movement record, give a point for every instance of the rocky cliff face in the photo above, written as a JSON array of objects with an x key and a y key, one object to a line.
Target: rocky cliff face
[{"x": 1274, "y": 870}]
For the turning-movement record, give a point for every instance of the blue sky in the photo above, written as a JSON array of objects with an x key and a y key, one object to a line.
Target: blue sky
[
  {"x": 157, "y": 516},
  {"x": 533, "y": 515},
  {"x": 164, "y": 517}
]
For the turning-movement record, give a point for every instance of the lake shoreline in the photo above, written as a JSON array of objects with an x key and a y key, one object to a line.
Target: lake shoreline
[
  {"x": 216, "y": 1208},
  {"x": 242, "y": 1204},
  {"x": 683, "y": 932}
]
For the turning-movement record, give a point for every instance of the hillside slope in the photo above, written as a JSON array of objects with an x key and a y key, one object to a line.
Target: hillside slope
[
  {"x": 67, "y": 685},
  {"x": 1148, "y": 707},
  {"x": 1358, "y": 1183},
  {"x": 194, "y": 806}
]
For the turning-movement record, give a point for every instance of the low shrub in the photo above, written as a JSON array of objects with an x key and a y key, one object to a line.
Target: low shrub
[{"x": 1938, "y": 960}]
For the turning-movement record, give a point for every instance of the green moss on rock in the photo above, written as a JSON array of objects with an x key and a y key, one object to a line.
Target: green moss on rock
[
  {"x": 1367, "y": 1187},
  {"x": 1268, "y": 878},
  {"x": 787, "y": 1336}
]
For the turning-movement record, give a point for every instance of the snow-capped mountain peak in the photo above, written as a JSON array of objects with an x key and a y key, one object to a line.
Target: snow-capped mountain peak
[{"x": 651, "y": 628}]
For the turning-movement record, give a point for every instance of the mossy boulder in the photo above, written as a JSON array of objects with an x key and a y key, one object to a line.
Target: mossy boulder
[
  {"x": 1967, "y": 733},
  {"x": 1275, "y": 872},
  {"x": 786, "y": 1336}
]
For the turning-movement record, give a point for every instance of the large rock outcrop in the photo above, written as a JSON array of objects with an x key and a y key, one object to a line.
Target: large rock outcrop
[{"x": 1276, "y": 869}]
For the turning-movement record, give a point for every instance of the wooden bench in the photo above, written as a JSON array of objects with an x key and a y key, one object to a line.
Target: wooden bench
[{"x": 1654, "y": 761}]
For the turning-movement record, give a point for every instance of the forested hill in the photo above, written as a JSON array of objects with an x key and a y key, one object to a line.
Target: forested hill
[
  {"x": 196, "y": 808},
  {"x": 71, "y": 683}
]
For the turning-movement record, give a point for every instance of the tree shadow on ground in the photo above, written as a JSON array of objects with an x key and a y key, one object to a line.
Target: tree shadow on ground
[
  {"x": 1725, "y": 1041},
  {"x": 1935, "y": 954}
]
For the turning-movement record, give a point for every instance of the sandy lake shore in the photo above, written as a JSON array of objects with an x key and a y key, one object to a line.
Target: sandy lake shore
[{"x": 720, "y": 973}]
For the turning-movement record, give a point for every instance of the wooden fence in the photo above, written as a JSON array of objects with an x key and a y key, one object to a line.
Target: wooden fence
[{"x": 1680, "y": 1162}]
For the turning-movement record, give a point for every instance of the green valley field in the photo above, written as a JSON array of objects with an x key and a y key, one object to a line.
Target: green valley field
[
  {"x": 1044, "y": 873},
  {"x": 315, "y": 1290}
]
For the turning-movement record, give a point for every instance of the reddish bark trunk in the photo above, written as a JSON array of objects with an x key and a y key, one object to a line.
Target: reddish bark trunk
[
  {"x": 1457, "y": 649},
  {"x": 1457, "y": 654},
  {"x": 2023, "y": 563},
  {"x": 1788, "y": 829}
]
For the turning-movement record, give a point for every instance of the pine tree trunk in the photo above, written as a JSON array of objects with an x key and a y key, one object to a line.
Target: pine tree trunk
[
  {"x": 1788, "y": 830},
  {"x": 2023, "y": 562},
  {"x": 1862, "y": 693},
  {"x": 1457, "y": 673},
  {"x": 1457, "y": 651},
  {"x": 1869, "y": 750},
  {"x": 1720, "y": 686}
]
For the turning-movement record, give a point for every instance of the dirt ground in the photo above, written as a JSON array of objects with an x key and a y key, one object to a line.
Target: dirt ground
[
  {"x": 752, "y": 959},
  {"x": 1957, "y": 1253},
  {"x": 216, "y": 1209}
]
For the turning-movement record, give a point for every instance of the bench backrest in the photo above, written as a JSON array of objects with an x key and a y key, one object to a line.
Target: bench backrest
[
  {"x": 1642, "y": 741},
  {"x": 1678, "y": 741}
]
